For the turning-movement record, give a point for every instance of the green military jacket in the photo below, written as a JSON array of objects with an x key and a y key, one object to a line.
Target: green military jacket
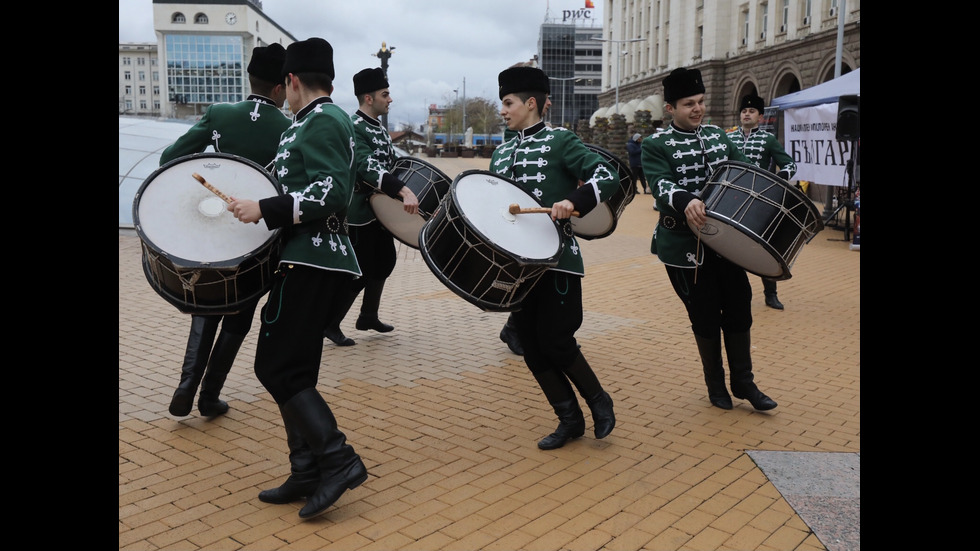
[
  {"x": 548, "y": 163},
  {"x": 763, "y": 149},
  {"x": 249, "y": 129},
  {"x": 315, "y": 167},
  {"x": 677, "y": 165},
  {"x": 374, "y": 156}
]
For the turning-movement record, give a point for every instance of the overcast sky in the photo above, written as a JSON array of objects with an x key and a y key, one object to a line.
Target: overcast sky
[{"x": 437, "y": 43}]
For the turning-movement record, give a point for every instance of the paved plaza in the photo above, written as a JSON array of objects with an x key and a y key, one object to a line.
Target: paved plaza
[{"x": 447, "y": 420}]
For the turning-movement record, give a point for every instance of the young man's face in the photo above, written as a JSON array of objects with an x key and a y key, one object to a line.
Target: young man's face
[
  {"x": 688, "y": 112},
  {"x": 518, "y": 114},
  {"x": 379, "y": 102},
  {"x": 750, "y": 117}
]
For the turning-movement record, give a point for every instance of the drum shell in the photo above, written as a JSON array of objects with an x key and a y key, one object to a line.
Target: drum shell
[
  {"x": 427, "y": 182},
  {"x": 756, "y": 219},
  {"x": 463, "y": 253},
  {"x": 202, "y": 261},
  {"x": 601, "y": 221}
]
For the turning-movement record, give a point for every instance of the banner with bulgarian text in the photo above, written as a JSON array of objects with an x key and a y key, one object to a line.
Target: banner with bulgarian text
[{"x": 810, "y": 138}]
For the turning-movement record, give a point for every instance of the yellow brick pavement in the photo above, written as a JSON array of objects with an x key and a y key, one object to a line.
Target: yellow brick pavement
[{"x": 447, "y": 419}]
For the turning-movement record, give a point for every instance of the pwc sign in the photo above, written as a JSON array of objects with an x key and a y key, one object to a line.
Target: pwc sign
[{"x": 584, "y": 13}]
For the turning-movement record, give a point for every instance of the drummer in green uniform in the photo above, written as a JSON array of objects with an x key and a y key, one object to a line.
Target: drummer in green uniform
[
  {"x": 315, "y": 167},
  {"x": 678, "y": 162},
  {"x": 249, "y": 129},
  {"x": 374, "y": 245},
  {"x": 549, "y": 163}
]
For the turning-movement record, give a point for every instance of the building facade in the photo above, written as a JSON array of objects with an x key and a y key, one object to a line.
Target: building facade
[
  {"x": 768, "y": 47},
  {"x": 202, "y": 51},
  {"x": 140, "y": 84}
]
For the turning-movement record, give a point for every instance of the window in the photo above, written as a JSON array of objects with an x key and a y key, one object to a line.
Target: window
[
  {"x": 178, "y": 18},
  {"x": 833, "y": 8},
  {"x": 143, "y": 104},
  {"x": 142, "y": 90},
  {"x": 156, "y": 76},
  {"x": 745, "y": 27},
  {"x": 764, "y": 23},
  {"x": 142, "y": 75},
  {"x": 129, "y": 89},
  {"x": 785, "y": 21},
  {"x": 127, "y": 76},
  {"x": 156, "y": 90},
  {"x": 156, "y": 105},
  {"x": 127, "y": 61},
  {"x": 200, "y": 19},
  {"x": 141, "y": 61}
]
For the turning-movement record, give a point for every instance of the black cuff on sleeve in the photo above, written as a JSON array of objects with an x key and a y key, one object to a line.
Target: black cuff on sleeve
[
  {"x": 681, "y": 199},
  {"x": 390, "y": 185}
]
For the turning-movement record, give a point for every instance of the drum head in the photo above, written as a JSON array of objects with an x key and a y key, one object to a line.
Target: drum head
[
  {"x": 175, "y": 214},
  {"x": 743, "y": 248},
  {"x": 484, "y": 200},
  {"x": 427, "y": 182},
  {"x": 601, "y": 221}
]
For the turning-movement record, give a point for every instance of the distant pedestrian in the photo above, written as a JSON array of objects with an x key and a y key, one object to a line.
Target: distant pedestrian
[{"x": 636, "y": 164}]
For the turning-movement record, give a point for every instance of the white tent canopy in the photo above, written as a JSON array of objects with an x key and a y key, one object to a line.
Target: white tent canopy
[
  {"x": 810, "y": 129},
  {"x": 828, "y": 92}
]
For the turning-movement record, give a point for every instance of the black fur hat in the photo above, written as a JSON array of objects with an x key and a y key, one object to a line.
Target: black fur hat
[
  {"x": 681, "y": 83},
  {"x": 313, "y": 55},
  {"x": 522, "y": 79},
  {"x": 752, "y": 100},
  {"x": 369, "y": 80},
  {"x": 267, "y": 62}
]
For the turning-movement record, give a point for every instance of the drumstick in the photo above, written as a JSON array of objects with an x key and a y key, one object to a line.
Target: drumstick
[
  {"x": 213, "y": 189},
  {"x": 516, "y": 209}
]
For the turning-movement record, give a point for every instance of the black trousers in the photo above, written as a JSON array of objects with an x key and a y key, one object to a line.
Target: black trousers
[
  {"x": 548, "y": 319},
  {"x": 638, "y": 176},
  {"x": 720, "y": 299},
  {"x": 290, "y": 342},
  {"x": 234, "y": 324},
  {"x": 375, "y": 249}
]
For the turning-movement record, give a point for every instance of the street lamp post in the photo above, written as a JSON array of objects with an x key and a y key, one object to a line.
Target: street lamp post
[
  {"x": 561, "y": 121},
  {"x": 618, "y": 55},
  {"x": 384, "y": 54},
  {"x": 464, "y": 110},
  {"x": 452, "y": 127}
]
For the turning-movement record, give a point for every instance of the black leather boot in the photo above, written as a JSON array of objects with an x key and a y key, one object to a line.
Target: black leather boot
[
  {"x": 769, "y": 290},
  {"x": 738, "y": 349},
  {"x": 304, "y": 475},
  {"x": 571, "y": 421},
  {"x": 598, "y": 400},
  {"x": 509, "y": 335},
  {"x": 714, "y": 372},
  {"x": 222, "y": 358},
  {"x": 338, "y": 311},
  {"x": 341, "y": 469},
  {"x": 368, "y": 319},
  {"x": 203, "y": 329}
]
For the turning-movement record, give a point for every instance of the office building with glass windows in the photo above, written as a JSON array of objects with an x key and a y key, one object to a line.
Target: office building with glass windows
[
  {"x": 204, "y": 48},
  {"x": 572, "y": 59}
]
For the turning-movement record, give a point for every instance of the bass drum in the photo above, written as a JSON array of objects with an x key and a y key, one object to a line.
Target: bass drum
[
  {"x": 427, "y": 182},
  {"x": 483, "y": 253},
  {"x": 196, "y": 254},
  {"x": 601, "y": 221},
  {"x": 756, "y": 219}
]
